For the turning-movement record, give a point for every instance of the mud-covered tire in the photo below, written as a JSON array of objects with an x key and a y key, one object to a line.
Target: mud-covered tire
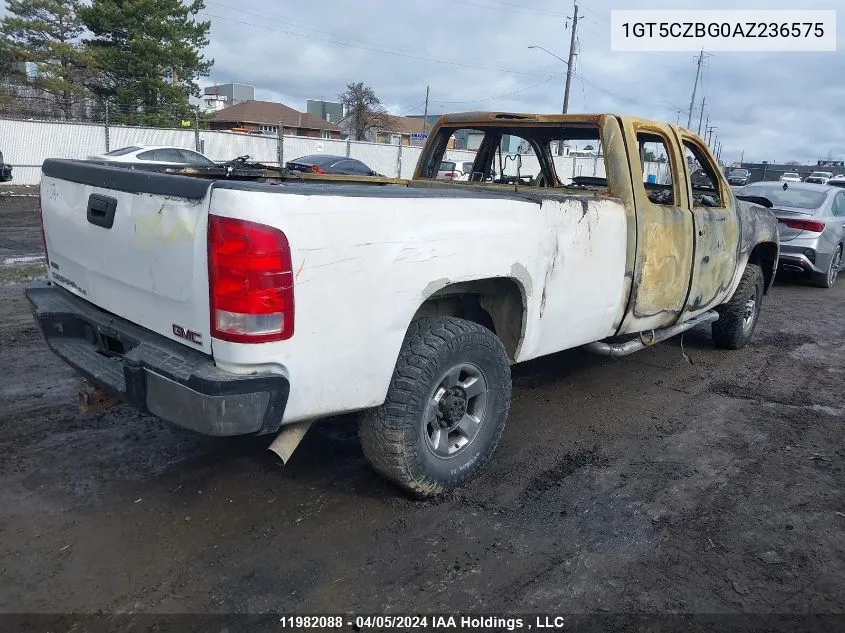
[
  {"x": 403, "y": 438},
  {"x": 828, "y": 278},
  {"x": 738, "y": 317}
]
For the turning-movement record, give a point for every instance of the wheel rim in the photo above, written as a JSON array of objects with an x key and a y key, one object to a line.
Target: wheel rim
[
  {"x": 750, "y": 313},
  {"x": 835, "y": 263},
  {"x": 456, "y": 410}
]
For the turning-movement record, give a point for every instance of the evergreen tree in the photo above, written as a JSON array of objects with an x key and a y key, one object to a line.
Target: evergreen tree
[
  {"x": 148, "y": 56},
  {"x": 47, "y": 33}
]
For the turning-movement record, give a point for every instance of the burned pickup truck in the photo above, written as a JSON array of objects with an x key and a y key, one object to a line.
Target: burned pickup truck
[{"x": 251, "y": 300}]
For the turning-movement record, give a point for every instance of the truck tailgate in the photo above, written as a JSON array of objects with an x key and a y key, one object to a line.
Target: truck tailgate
[{"x": 132, "y": 243}]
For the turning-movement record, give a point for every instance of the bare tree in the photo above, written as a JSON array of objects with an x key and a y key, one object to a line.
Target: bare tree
[{"x": 363, "y": 108}]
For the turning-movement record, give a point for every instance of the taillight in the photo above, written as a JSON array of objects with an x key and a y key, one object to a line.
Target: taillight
[
  {"x": 450, "y": 175},
  {"x": 251, "y": 281},
  {"x": 803, "y": 225},
  {"x": 317, "y": 170}
]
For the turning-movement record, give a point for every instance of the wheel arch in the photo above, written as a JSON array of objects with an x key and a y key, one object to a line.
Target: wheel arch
[
  {"x": 497, "y": 303},
  {"x": 765, "y": 255}
]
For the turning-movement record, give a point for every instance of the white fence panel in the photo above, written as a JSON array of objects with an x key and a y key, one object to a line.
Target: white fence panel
[
  {"x": 25, "y": 145},
  {"x": 299, "y": 146},
  {"x": 124, "y": 136},
  {"x": 410, "y": 156},
  {"x": 221, "y": 146},
  {"x": 380, "y": 157}
]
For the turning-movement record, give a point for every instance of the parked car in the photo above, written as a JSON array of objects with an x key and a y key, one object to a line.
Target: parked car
[
  {"x": 811, "y": 227},
  {"x": 249, "y": 308},
  {"x": 700, "y": 178},
  {"x": 819, "y": 177},
  {"x": 5, "y": 170},
  {"x": 837, "y": 181},
  {"x": 155, "y": 155},
  {"x": 328, "y": 164},
  {"x": 739, "y": 177},
  {"x": 451, "y": 170},
  {"x": 790, "y": 176}
]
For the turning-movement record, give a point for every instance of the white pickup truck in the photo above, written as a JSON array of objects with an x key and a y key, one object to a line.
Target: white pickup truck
[{"x": 257, "y": 304}]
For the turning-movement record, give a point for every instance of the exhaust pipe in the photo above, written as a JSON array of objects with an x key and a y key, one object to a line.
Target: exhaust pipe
[
  {"x": 288, "y": 439},
  {"x": 793, "y": 269},
  {"x": 629, "y": 347}
]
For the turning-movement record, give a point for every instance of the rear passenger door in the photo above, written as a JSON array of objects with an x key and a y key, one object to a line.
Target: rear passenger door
[
  {"x": 716, "y": 230},
  {"x": 664, "y": 227}
]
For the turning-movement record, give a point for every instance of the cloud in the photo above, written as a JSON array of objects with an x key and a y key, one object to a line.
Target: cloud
[{"x": 474, "y": 54}]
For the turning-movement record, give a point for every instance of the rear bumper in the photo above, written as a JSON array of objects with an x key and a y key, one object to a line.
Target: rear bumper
[
  {"x": 154, "y": 374},
  {"x": 793, "y": 256}
]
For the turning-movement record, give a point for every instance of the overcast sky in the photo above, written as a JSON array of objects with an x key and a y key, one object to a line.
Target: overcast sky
[{"x": 474, "y": 54}]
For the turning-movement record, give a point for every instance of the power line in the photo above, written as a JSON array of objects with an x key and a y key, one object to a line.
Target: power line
[
  {"x": 383, "y": 51},
  {"x": 507, "y": 94},
  {"x": 400, "y": 53},
  {"x": 595, "y": 14},
  {"x": 512, "y": 8}
]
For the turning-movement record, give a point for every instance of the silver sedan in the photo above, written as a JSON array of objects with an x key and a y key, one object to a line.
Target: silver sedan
[{"x": 811, "y": 224}]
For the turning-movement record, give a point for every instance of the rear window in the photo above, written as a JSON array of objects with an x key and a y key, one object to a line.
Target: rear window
[
  {"x": 318, "y": 159},
  {"x": 789, "y": 174},
  {"x": 446, "y": 165},
  {"x": 123, "y": 151},
  {"x": 739, "y": 172},
  {"x": 819, "y": 174},
  {"x": 790, "y": 197}
]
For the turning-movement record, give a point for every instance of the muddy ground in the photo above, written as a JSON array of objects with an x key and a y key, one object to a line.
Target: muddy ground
[{"x": 646, "y": 484}]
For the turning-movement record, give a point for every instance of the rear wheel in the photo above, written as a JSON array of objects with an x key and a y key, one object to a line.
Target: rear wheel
[
  {"x": 445, "y": 409},
  {"x": 827, "y": 279},
  {"x": 738, "y": 317}
]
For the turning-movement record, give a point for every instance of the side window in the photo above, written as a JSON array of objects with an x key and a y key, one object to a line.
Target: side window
[
  {"x": 702, "y": 175},
  {"x": 839, "y": 204},
  {"x": 151, "y": 155},
  {"x": 358, "y": 168},
  {"x": 169, "y": 155},
  {"x": 520, "y": 154},
  {"x": 344, "y": 167},
  {"x": 192, "y": 158},
  {"x": 657, "y": 169}
]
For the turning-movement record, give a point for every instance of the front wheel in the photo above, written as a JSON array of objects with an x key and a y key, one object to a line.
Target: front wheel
[
  {"x": 738, "y": 317},
  {"x": 445, "y": 409}
]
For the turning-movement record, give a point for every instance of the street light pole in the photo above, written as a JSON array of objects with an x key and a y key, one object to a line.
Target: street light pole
[
  {"x": 566, "y": 93},
  {"x": 566, "y": 90}
]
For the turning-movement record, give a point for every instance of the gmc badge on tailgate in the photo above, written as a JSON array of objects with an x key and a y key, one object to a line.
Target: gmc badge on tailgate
[{"x": 188, "y": 335}]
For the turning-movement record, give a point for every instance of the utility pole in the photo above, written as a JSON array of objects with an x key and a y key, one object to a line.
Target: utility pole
[
  {"x": 695, "y": 87},
  {"x": 710, "y": 136},
  {"x": 425, "y": 115},
  {"x": 569, "y": 66},
  {"x": 701, "y": 114},
  {"x": 570, "y": 62}
]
